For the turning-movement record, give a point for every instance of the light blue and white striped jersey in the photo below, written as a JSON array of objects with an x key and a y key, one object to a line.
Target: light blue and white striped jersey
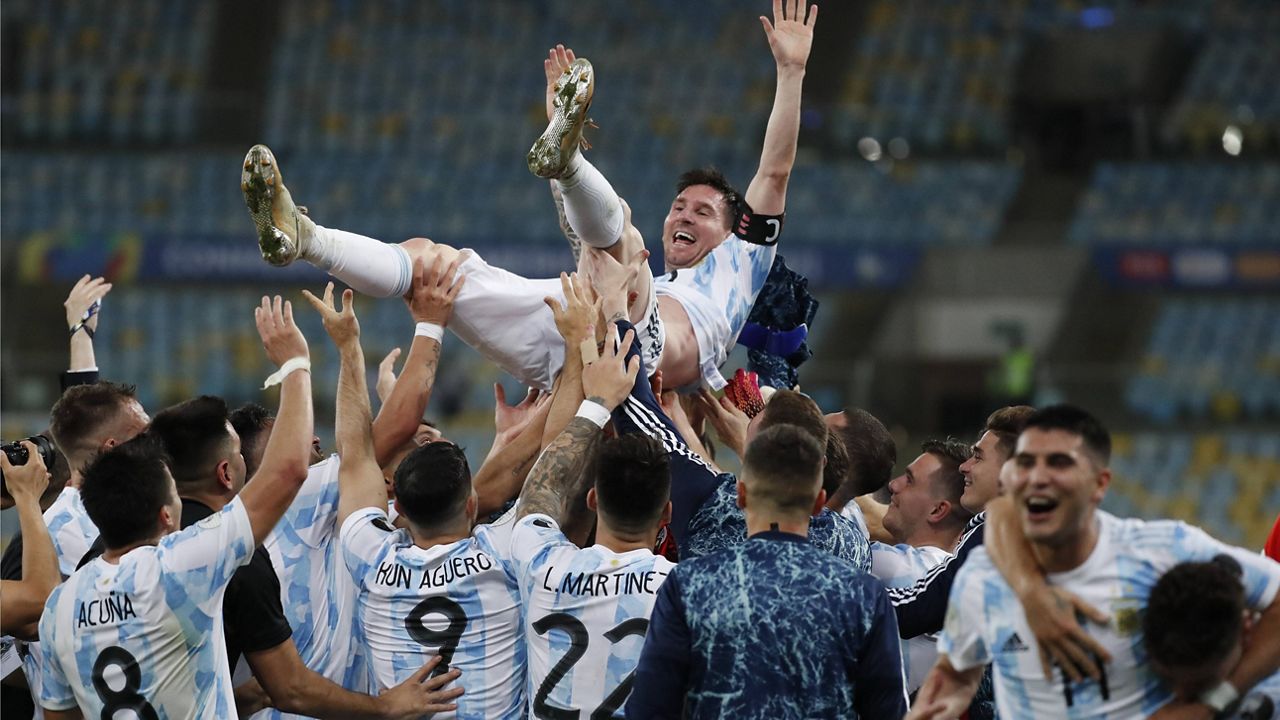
[
  {"x": 317, "y": 592},
  {"x": 717, "y": 294},
  {"x": 70, "y": 529},
  {"x": 72, "y": 533},
  {"x": 586, "y": 613},
  {"x": 985, "y": 623},
  {"x": 460, "y": 601},
  {"x": 146, "y": 632},
  {"x": 899, "y": 566}
]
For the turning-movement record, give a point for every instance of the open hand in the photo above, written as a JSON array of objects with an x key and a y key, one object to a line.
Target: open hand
[
  {"x": 510, "y": 420},
  {"x": 86, "y": 292},
  {"x": 431, "y": 297},
  {"x": 577, "y": 320},
  {"x": 341, "y": 325},
  {"x": 730, "y": 422},
  {"x": 559, "y": 58},
  {"x": 609, "y": 379},
  {"x": 387, "y": 375},
  {"x": 421, "y": 694},
  {"x": 791, "y": 32},
  {"x": 280, "y": 336}
]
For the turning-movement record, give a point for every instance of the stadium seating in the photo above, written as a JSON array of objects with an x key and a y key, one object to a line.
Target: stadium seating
[
  {"x": 109, "y": 72},
  {"x": 1180, "y": 203},
  {"x": 1211, "y": 359},
  {"x": 1227, "y": 482}
]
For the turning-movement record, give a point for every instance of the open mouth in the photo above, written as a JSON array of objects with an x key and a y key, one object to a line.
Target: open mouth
[
  {"x": 683, "y": 238},
  {"x": 1040, "y": 508}
]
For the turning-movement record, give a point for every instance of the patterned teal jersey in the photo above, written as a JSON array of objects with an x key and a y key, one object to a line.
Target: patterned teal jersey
[
  {"x": 986, "y": 624},
  {"x": 460, "y": 601},
  {"x": 899, "y": 566},
  {"x": 770, "y": 628},
  {"x": 145, "y": 634},
  {"x": 717, "y": 294},
  {"x": 586, "y": 613},
  {"x": 317, "y": 592},
  {"x": 719, "y": 524}
]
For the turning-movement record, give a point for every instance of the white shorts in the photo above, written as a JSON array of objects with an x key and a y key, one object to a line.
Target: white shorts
[{"x": 502, "y": 315}]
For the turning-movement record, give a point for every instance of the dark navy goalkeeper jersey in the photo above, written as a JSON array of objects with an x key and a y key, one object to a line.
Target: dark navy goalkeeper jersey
[{"x": 771, "y": 628}]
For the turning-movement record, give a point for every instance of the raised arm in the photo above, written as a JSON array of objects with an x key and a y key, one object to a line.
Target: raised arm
[
  {"x": 288, "y": 453},
  {"x": 82, "y": 306},
  {"x": 430, "y": 303},
  {"x": 23, "y": 600},
  {"x": 790, "y": 37},
  {"x": 558, "y": 476},
  {"x": 577, "y": 323},
  {"x": 503, "y": 473}
]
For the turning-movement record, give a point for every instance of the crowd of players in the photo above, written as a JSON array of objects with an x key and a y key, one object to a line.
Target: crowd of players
[{"x": 212, "y": 563}]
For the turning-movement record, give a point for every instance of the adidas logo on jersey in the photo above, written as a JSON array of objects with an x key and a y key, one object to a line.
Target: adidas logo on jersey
[{"x": 1014, "y": 645}]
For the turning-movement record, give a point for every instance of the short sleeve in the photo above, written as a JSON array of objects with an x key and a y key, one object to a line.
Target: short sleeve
[
  {"x": 962, "y": 640},
  {"x": 1261, "y": 575},
  {"x": 200, "y": 560},
  {"x": 363, "y": 539},
  {"x": 54, "y": 692},
  {"x": 532, "y": 541}
]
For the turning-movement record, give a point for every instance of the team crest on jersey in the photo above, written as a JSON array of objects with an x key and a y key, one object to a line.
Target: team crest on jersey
[{"x": 1129, "y": 620}]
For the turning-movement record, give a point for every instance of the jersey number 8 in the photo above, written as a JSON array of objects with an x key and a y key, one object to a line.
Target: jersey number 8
[{"x": 128, "y": 697}]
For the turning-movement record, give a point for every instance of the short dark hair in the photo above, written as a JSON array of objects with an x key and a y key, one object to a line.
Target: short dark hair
[
  {"x": 1076, "y": 421},
  {"x": 82, "y": 410},
  {"x": 788, "y": 407},
  {"x": 872, "y": 451},
  {"x": 1007, "y": 424},
  {"x": 433, "y": 483},
  {"x": 1194, "y": 613},
  {"x": 124, "y": 489},
  {"x": 836, "y": 471},
  {"x": 251, "y": 421},
  {"x": 781, "y": 466},
  {"x": 951, "y": 453},
  {"x": 194, "y": 434},
  {"x": 632, "y": 478},
  {"x": 713, "y": 178}
]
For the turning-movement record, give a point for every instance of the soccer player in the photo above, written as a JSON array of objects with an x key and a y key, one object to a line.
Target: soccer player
[
  {"x": 703, "y": 302},
  {"x": 772, "y": 627},
  {"x": 1195, "y": 629},
  {"x": 587, "y": 609},
  {"x": 1062, "y": 475},
  {"x": 437, "y": 586},
  {"x": 925, "y": 516}
]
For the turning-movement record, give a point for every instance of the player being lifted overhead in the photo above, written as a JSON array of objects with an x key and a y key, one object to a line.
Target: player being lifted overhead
[{"x": 719, "y": 246}]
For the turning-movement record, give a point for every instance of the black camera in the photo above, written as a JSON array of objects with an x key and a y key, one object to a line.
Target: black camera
[{"x": 19, "y": 455}]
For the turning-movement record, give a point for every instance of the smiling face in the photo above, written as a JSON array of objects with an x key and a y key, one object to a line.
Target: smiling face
[
  {"x": 698, "y": 222},
  {"x": 1057, "y": 486},
  {"x": 911, "y": 498},
  {"x": 982, "y": 473}
]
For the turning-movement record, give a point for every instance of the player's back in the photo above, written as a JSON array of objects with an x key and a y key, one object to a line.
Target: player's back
[
  {"x": 586, "y": 614},
  {"x": 146, "y": 633},
  {"x": 458, "y": 600}
]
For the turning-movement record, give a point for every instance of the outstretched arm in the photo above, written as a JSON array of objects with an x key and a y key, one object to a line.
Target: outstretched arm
[
  {"x": 430, "y": 301},
  {"x": 790, "y": 37},
  {"x": 288, "y": 454},
  {"x": 558, "y": 476}
]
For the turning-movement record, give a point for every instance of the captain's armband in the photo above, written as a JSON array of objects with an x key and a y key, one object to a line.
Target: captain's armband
[{"x": 759, "y": 229}]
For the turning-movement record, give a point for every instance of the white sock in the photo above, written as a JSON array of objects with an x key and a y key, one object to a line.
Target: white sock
[
  {"x": 370, "y": 267},
  {"x": 590, "y": 204}
]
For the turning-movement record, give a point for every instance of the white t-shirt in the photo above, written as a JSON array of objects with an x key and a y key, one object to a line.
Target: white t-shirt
[
  {"x": 458, "y": 600},
  {"x": 147, "y": 631},
  {"x": 986, "y": 624},
  {"x": 717, "y": 294},
  {"x": 317, "y": 592},
  {"x": 586, "y": 614},
  {"x": 900, "y": 566},
  {"x": 853, "y": 512}
]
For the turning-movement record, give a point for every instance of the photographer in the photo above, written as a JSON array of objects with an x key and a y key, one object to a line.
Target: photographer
[{"x": 21, "y": 601}]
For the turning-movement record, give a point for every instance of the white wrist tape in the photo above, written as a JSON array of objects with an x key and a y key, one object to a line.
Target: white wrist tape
[
  {"x": 595, "y": 412},
  {"x": 277, "y": 377},
  {"x": 431, "y": 330}
]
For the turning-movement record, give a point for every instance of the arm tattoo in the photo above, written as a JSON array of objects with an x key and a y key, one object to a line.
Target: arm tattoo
[{"x": 558, "y": 475}]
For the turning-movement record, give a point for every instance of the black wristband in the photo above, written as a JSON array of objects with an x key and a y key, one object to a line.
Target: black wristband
[{"x": 759, "y": 229}]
